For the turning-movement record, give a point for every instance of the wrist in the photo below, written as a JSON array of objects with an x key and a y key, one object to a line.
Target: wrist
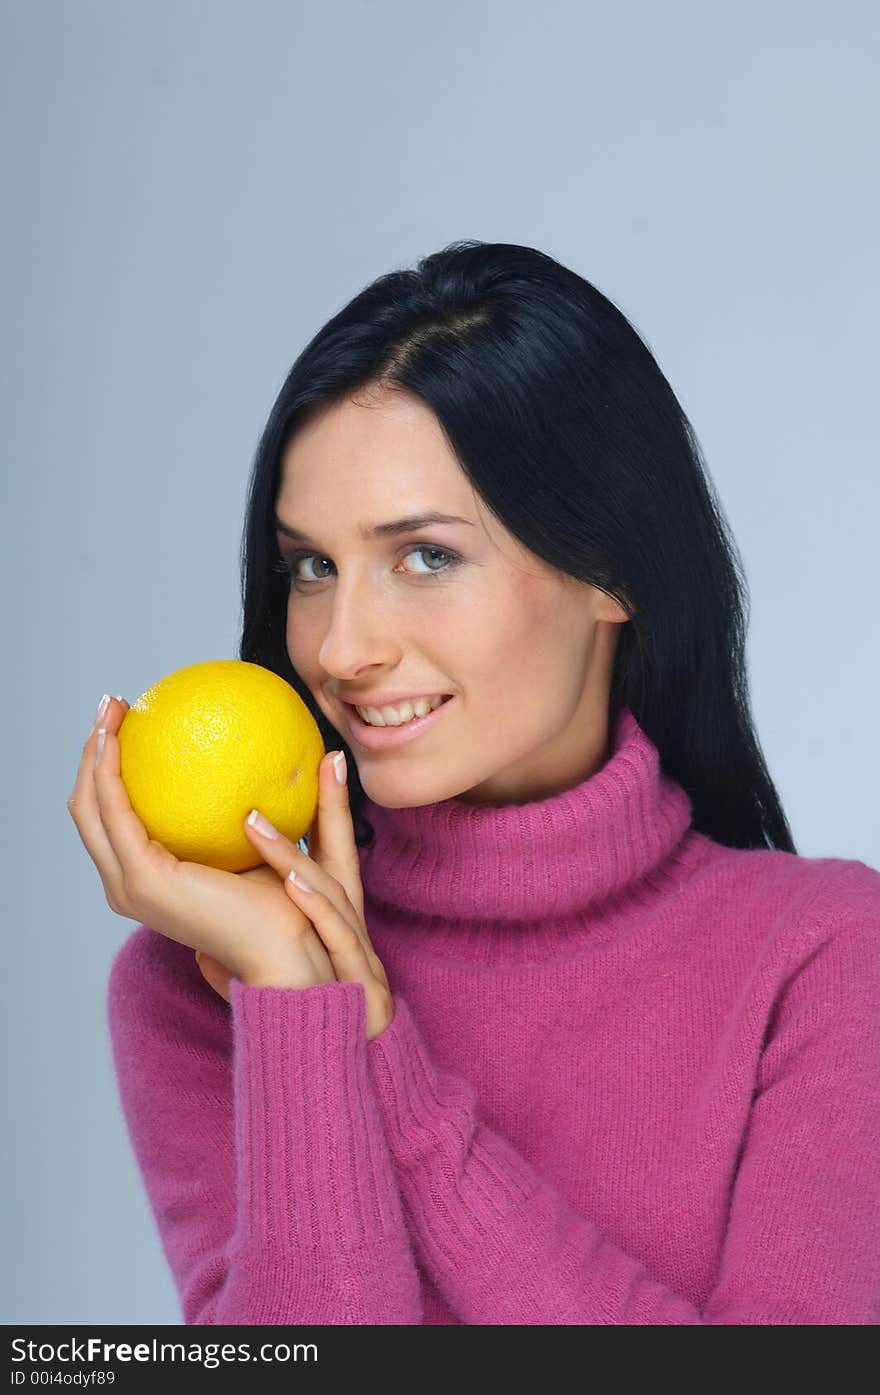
[{"x": 266, "y": 973}]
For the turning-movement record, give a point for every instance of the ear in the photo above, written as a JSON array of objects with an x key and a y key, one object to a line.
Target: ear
[{"x": 609, "y": 609}]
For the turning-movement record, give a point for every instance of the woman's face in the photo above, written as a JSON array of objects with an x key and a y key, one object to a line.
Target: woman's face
[{"x": 462, "y": 608}]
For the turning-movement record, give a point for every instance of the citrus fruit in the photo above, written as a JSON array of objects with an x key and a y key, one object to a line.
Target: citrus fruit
[{"x": 210, "y": 742}]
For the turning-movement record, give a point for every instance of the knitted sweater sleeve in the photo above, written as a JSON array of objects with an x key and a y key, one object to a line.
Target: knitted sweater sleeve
[
  {"x": 802, "y": 1244},
  {"x": 256, "y": 1131}
]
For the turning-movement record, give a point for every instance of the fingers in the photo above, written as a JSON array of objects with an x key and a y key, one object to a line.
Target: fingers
[
  {"x": 126, "y": 834},
  {"x": 82, "y": 806},
  {"x": 336, "y": 915},
  {"x": 338, "y": 852},
  {"x": 325, "y": 905},
  {"x": 284, "y": 856},
  {"x": 112, "y": 833},
  {"x": 352, "y": 961},
  {"x": 341, "y": 939}
]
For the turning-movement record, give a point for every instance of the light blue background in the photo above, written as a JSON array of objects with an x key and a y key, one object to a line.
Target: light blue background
[{"x": 192, "y": 188}]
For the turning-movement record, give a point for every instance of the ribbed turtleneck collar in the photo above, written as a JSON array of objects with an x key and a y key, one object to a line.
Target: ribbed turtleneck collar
[{"x": 485, "y": 882}]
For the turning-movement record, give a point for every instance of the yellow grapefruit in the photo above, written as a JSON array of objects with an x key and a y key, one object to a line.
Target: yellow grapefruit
[{"x": 210, "y": 742}]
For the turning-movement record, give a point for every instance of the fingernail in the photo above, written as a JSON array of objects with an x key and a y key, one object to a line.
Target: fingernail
[
  {"x": 339, "y": 766},
  {"x": 102, "y": 708},
  {"x": 299, "y": 881},
  {"x": 262, "y": 825}
]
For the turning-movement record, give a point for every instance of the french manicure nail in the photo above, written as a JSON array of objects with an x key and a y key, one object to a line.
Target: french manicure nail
[
  {"x": 339, "y": 766},
  {"x": 256, "y": 820},
  {"x": 102, "y": 708}
]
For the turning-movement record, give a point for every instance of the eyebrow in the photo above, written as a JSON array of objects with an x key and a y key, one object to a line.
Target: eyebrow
[{"x": 384, "y": 530}]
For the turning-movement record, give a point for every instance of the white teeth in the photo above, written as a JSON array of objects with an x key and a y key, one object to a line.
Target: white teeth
[{"x": 403, "y": 712}]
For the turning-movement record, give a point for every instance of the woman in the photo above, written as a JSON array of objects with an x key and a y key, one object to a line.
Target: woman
[{"x": 565, "y": 1031}]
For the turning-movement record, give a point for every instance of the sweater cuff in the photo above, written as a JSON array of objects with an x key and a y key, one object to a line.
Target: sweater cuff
[
  {"x": 432, "y": 1125},
  {"x": 314, "y": 1172}
]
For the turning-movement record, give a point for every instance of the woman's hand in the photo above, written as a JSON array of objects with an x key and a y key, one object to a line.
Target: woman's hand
[
  {"x": 336, "y": 905},
  {"x": 250, "y": 922}
]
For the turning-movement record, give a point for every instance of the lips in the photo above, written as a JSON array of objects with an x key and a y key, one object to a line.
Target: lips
[
  {"x": 378, "y": 705},
  {"x": 381, "y": 700},
  {"x": 378, "y": 738}
]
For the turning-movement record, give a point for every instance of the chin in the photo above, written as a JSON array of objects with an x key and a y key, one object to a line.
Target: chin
[{"x": 400, "y": 792}]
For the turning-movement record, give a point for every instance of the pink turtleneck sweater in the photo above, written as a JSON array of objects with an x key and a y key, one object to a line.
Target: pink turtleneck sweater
[{"x": 633, "y": 1078}]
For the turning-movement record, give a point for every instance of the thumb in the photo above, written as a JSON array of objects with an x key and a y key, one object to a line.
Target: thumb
[
  {"x": 214, "y": 973},
  {"x": 326, "y": 781}
]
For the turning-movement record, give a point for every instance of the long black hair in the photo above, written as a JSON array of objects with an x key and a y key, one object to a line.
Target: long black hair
[{"x": 564, "y": 424}]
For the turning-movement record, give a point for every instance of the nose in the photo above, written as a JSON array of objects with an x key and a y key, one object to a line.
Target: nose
[{"x": 359, "y": 635}]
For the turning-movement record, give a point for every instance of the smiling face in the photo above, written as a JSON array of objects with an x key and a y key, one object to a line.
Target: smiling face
[{"x": 463, "y": 608}]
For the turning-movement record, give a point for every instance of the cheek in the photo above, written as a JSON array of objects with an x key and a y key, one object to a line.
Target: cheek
[
  {"x": 301, "y": 646},
  {"x": 504, "y": 644},
  {"x": 531, "y": 645}
]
